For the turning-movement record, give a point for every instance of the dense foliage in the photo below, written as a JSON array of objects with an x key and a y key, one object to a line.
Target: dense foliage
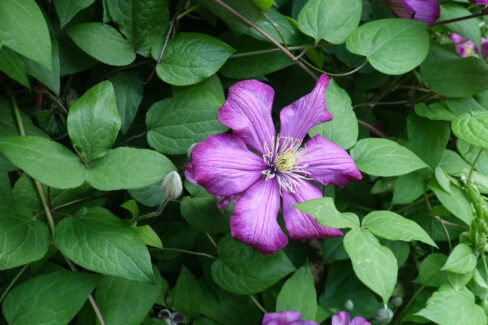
[{"x": 103, "y": 102}]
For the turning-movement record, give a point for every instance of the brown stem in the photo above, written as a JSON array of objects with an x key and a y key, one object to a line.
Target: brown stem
[
  {"x": 448, "y": 21},
  {"x": 372, "y": 128}
]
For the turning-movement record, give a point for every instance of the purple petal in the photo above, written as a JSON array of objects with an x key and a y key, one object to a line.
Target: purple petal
[
  {"x": 456, "y": 38},
  {"x": 301, "y": 225},
  {"x": 298, "y": 117},
  {"x": 281, "y": 318},
  {"x": 189, "y": 173},
  {"x": 484, "y": 47},
  {"x": 247, "y": 111},
  {"x": 424, "y": 10},
  {"x": 304, "y": 322},
  {"x": 224, "y": 201},
  {"x": 399, "y": 9},
  {"x": 254, "y": 218},
  {"x": 328, "y": 163},
  {"x": 223, "y": 165},
  {"x": 358, "y": 320},
  {"x": 341, "y": 318}
]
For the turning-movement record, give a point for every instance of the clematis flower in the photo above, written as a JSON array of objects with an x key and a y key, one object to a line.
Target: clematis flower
[
  {"x": 277, "y": 167},
  {"x": 343, "y": 318},
  {"x": 467, "y": 48},
  {"x": 289, "y": 317},
  {"x": 425, "y": 10}
]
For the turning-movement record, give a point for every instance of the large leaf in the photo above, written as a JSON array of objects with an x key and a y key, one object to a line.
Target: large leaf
[
  {"x": 93, "y": 121},
  {"x": 455, "y": 201},
  {"x": 22, "y": 239},
  {"x": 326, "y": 214},
  {"x": 298, "y": 293},
  {"x": 123, "y": 301},
  {"x": 343, "y": 129},
  {"x": 202, "y": 214},
  {"x": 26, "y": 31},
  {"x": 461, "y": 260},
  {"x": 457, "y": 77},
  {"x": 188, "y": 297},
  {"x": 241, "y": 270},
  {"x": 393, "y": 226},
  {"x": 392, "y": 46},
  {"x": 128, "y": 92},
  {"x": 330, "y": 20},
  {"x": 469, "y": 28},
  {"x": 408, "y": 188},
  {"x": 45, "y": 160},
  {"x": 13, "y": 65},
  {"x": 67, "y": 9},
  {"x": 374, "y": 265},
  {"x": 101, "y": 242},
  {"x": 448, "y": 306},
  {"x": 102, "y": 42},
  {"x": 382, "y": 157},
  {"x": 190, "y": 58},
  {"x": 472, "y": 128},
  {"x": 127, "y": 168},
  {"x": 49, "y": 299}
]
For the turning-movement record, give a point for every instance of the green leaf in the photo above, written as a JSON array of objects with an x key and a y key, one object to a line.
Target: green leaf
[
  {"x": 392, "y": 46},
  {"x": 8, "y": 124},
  {"x": 343, "y": 129},
  {"x": 392, "y": 226},
  {"x": 191, "y": 57},
  {"x": 457, "y": 77},
  {"x": 469, "y": 28},
  {"x": 330, "y": 20},
  {"x": 45, "y": 160},
  {"x": 241, "y": 270},
  {"x": 469, "y": 152},
  {"x": 26, "y": 31},
  {"x": 298, "y": 293},
  {"x": 149, "y": 236},
  {"x": 150, "y": 196},
  {"x": 23, "y": 240},
  {"x": 408, "y": 188},
  {"x": 472, "y": 128},
  {"x": 188, "y": 297},
  {"x": 67, "y": 9},
  {"x": 452, "y": 163},
  {"x": 202, "y": 214},
  {"x": 174, "y": 124},
  {"x": 93, "y": 121},
  {"x": 99, "y": 241},
  {"x": 454, "y": 201},
  {"x": 430, "y": 272},
  {"x": 461, "y": 260},
  {"x": 128, "y": 92},
  {"x": 435, "y": 112},
  {"x": 50, "y": 299},
  {"x": 443, "y": 179},
  {"x": 123, "y": 301},
  {"x": 326, "y": 214},
  {"x": 374, "y": 265},
  {"x": 382, "y": 157},
  {"x": 464, "y": 105},
  {"x": 13, "y": 65},
  {"x": 264, "y": 5},
  {"x": 102, "y": 42},
  {"x": 143, "y": 22},
  {"x": 126, "y": 168},
  {"x": 287, "y": 27},
  {"x": 428, "y": 139},
  {"x": 450, "y": 307}
]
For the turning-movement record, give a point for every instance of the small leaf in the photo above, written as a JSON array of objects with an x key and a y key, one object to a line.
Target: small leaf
[
  {"x": 99, "y": 241},
  {"x": 51, "y": 299},
  {"x": 374, "y": 265},
  {"x": 330, "y": 20},
  {"x": 472, "y": 128},
  {"x": 455, "y": 201},
  {"x": 67, "y": 9},
  {"x": 188, "y": 297},
  {"x": 45, "y": 160},
  {"x": 93, "y": 121},
  {"x": 443, "y": 179},
  {"x": 382, "y": 157},
  {"x": 435, "y": 112},
  {"x": 392, "y": 226},
  {"x": 408, "y": 188},
  {"x": 392, "y": 46},
  {"x": 241, "y": 270},
  {"x": 149, "y": 236},
  {"x": 326, "y": 214},
  {"x": 264, "y": 5},
  {"x": 102, "y": 42},
  {"x": 461, "y": 260},
  {"x": 430, "y": 272},
  {"x": 190, "y": 58}
]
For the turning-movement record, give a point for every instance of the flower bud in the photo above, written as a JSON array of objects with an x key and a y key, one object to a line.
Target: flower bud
[
  {"x": 349, "y": 305},
  {"x": 397, "y": 301},
  {"x": 172, "y": 186},
  {"x": 384, "y": 315}
]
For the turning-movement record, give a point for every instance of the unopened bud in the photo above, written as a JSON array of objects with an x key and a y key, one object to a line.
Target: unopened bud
[
  {"x": 384, "y": 315},
  {"x": 397, "y": 301},
  {"x": 349, "y": 305},
  {"x": 172, "y": 186}
]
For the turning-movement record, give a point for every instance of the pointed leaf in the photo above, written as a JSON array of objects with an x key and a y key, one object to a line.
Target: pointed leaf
[
  {"x": 461, "y": 260},
  {"x": 472, "y": 128},
  {"x": 67, "y": 9},
  {"x": 188, "y": 297},
  {"x": 325, "y": 212}
]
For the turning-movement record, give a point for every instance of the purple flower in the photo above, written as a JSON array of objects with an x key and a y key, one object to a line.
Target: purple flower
[
  {"x": 480, "y": 2},
  {"x": 425, "y": 10},
  {"x": 289, "y": 317},
  {"x": 225, "y": 166},
  {"x": 343, "y": 318},
  {"x": 467, "y": 48}
]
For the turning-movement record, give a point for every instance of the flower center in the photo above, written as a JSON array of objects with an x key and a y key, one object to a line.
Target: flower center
[
  {"x": 286, "y": 163},
  {"x": 469, "y": 49}
]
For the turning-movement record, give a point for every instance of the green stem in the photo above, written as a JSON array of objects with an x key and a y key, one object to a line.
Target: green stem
[
  {"x": 256, "y": 302},
  {"x": 335, "y": 74},
  {"x": 17, "y": 276},
  {"x": 214, "y": 244},
  {"x": 473, "y": 165},
  {"x": 188, "y": 11},
  {"x": 188, "y": 252},
  {"x": 276, "y": 29},
  {"x": 155, "y": 213}
]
